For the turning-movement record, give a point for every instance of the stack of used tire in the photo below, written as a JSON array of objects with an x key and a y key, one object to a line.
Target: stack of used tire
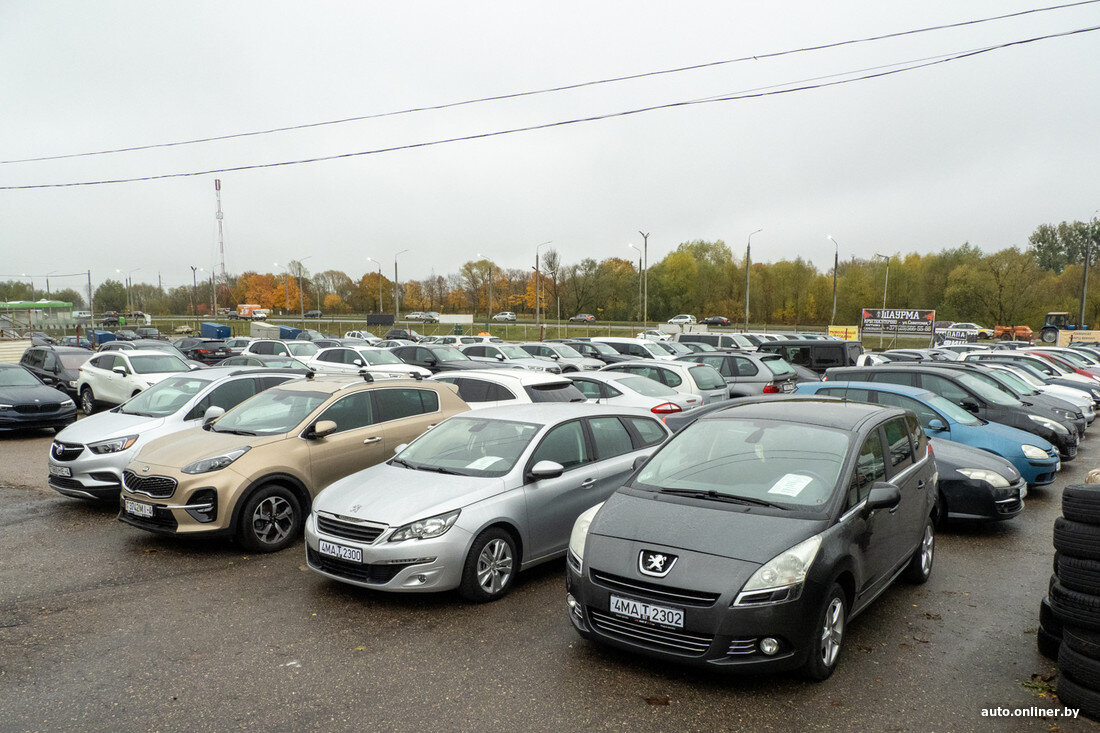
[{"x": 1069, "y": 618}]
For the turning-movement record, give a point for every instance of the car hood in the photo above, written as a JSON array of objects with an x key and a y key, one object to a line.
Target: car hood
[
  {"x": 583, "y": 362},
  {"x": 740, "y": 533},
  {"x": 179, "y": 449},
  {"x": 30, "y": 394},
  {"x": 993, "y": 436},
  {"x": 951, "y": 456},
  {"x": 106, "y": 425},
  {"x": 396, "y": 495}
]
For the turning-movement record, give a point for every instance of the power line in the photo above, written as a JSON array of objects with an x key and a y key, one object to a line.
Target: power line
[
  {"x": 735, "y": 96},
  {"x": 549, "y": 90}
]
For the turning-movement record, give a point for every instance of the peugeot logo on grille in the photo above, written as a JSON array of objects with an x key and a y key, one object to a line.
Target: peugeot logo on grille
[{"x": 657, "y": 564}]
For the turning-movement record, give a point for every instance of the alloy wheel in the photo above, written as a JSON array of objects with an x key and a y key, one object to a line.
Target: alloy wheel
[
  {"x": 273, "y": 520},
  {"x": 833, "y": 632},
  {"x": 494, "y": 566},
  {"x": 927, "y": 547}
]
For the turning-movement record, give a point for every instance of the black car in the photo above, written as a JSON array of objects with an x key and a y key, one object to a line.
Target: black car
[
  {"x": 39, "y": 338},
  {"x": 596, "y": 350},
  {"x": 815, "y": 355},
  {"x": 716, "y": 321},
  {"x": 976, "y": 484},
  {"x": 436, "y": 358},
  {"x": 55, "y": 366},
  {"x": 148, "y": 333},
  {"x": 402, "y": 334},
  {"x": 974, "y": 395},
  {"x": 208, "y": 351},
  {"x": 125, "y": 334},
  {"x": 760, "y": 567},
  {"x": 26, "y": 403},
  {"x": 110, "y": 318}
]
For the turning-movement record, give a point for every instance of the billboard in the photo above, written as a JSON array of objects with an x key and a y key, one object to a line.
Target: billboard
[
  {"x": 848, "y": 333},
  {"x": 956, "y": 337},
  {"x": 897, "y": 322}
]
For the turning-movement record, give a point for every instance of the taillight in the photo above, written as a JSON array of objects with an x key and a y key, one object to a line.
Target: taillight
[
  {"x": 931, "y": 453},
  {"x": 771, "y": 389},
  {"x": 203, "y": 351},
  {"x": 666, "y": 408}
]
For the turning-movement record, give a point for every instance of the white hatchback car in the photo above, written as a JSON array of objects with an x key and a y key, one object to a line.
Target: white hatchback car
[
  {"x": 633, "y": 390},
  {"x": 682, "y": 319},
  {"x": 683, "y": 376},
  {"x": 355, "y": 359},
  {"x": 113, "y": 377},
  {"x": 497, "y": 387}
]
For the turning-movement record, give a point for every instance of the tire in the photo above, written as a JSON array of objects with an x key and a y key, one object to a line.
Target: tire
[
  {"x": 490, "y": 568},
  {"x": 919, "y": 569},
  {"x": 1078, "y": 667},
  {"x": 1082, "y": 642},
  {"x": 1077, "y": 539},
  {"x": 1074, "y": 695},
  {"x": 87, "y": 400},
  {"x": 1075, "y": 608},
  {"x": 257, "y": 531},
  {"x": 1079, "y": 574},
  {"x": 1048, "y": 645},
  {"x": 829, "y": 639},
  {"x": 1048, "y": 335},
  {"x": 1048, "y": 620},
  {"x": 1081, "y": 503}
]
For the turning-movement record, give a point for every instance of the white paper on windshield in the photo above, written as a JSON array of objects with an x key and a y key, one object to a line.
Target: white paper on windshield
[
  {"x": 790, "y": 485},
  {"x": 482, "y": 463}
]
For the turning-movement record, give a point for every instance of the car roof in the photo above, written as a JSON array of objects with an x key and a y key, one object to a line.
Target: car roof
[
  {"x": 820, "y": 411},
  {"x": 902, "y": 389},
  {"x": 806, "y": 342},
  {"x": 333, "y": 383},
  {"x": 143, "y": 352},
  {"x": 548, "y": 413},
  {"x": 523, "y": 376},
  {"x": 647, "y": 362}
]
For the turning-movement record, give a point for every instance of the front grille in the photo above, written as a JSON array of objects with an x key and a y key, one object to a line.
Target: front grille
[
  {"x": 61, "y": 482},
  {"x": 38, "y": 408},
  {"x": 741, "y": 647},
  {"x": 353, "y": 570},
  {"x": 158, "y": 487},
  {"x": 348, "y": 530},
  {"x": 665, "y": 640},
  {"x": 66, "y": 451},
  {"x": 652, "y": 590}
]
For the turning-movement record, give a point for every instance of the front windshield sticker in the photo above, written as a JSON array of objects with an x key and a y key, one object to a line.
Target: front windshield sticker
[
  {"x": 484, "y": 462},
  {"x": 790, "y": 485}
]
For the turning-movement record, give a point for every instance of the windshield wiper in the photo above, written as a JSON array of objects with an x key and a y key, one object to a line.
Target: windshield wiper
[
  {"x": 441, "y": 469},
  {"x": 233, "y": 432},
  {"x": 715, "y": 496},
  {"x": 399, "y": 462}
]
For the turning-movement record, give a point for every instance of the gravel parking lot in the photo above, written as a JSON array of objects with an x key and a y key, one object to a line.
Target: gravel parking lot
[{"x": 106, "y": 627}]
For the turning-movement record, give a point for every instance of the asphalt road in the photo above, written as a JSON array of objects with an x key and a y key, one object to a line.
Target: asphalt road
[{"x": 103, "y": 626}]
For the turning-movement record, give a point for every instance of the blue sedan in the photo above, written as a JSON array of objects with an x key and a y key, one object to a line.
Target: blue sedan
[{"x": 1035, "y": 458}]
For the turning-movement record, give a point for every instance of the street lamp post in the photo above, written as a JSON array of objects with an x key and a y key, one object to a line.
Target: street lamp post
[
  {"x": 645, "y": 298},
  {"x": 633, "y": 247},
  {"x": 371, "y": 259},
  {"x": 1088, "y": 260},
  {"x": 538, "y": 280},
  {"x": 748, "y": 260},
  {"x": 129, "y": 285},
  {"x": 885, "y": 285},
  {"x": 836, "y": 265},
  {"x": 489, "y": 308},
  {"x": 396, "y": 288},
  {"x": 286, "y": 287},
  {"x": 301, "y": 299}
]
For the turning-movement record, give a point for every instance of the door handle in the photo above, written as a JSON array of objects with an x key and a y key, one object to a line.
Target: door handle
[
  {"x": 588, "y": 483},
  {"x": 372, "y": 440},
  {"x": 921, "y": 484}
]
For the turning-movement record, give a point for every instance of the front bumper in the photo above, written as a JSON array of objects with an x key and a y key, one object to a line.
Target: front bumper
[
  {"x": 411, "y": 566},
  {"x": 12, "y": 420},
  {"x": 971, "y": 499},
  {"x": 186, "y": 510},
  {"x": 90, "y": 475},
  {"x": 1040, "y": 472}
]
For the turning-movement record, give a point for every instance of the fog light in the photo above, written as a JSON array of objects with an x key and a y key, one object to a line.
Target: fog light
[
  {"x": 422, "y": 578},
  {"x": 769, "y": 645},
  {"x": 571, "y": 602}
]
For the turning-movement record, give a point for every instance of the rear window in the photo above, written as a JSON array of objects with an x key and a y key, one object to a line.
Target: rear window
[
  {"x": 564, "y": 392},
  {"x": 650, "y": 431},
  {"x": 706, "y": 377},
  {"x": 647, "y": 386},
  {"x": 778, "y": 366}
]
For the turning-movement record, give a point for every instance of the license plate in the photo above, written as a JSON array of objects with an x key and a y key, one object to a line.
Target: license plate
[
  {"x": 647, "y": 612},
  {"x": 137, "y": 508},
  {"x": 354, "y": 554},
  {"x": 788, "y": 387},
  {"x": 61, "y": 471}
]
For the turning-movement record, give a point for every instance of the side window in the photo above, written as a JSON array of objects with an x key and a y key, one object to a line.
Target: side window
[
  {"x": 470, "y": 390},
  {"x": 924, "y": 413},
  {"x": 49, "y": 361},
  {"x": 264, "y": 347},
  {"x": 350, "y": 412},
  {"x": 798, "y": 355},
  {"x": 897, "y": 440},
  {"x": 745, "y": 367},
  {"x": 853, "y": 395},
  {"x": 870, "y": 467},
  {"x": 590, "y": 390},
  {"x": 920, "y": 440},
  {"x": 530, "y": 349},
  {"x": 423, "y": 355},
  {"x": 478, "y": 351},
  {"x": 648, "y": 430},
  {"x": 564, "y": 444},
  {"x": 610, "y": 436},
  {"x": 828, "y": 356},
  {"x": 394, "y": 404},
  {"x": 269, "y": 382},
  {"x": 636, "y": 350},
  {"x": 546, "y": 351},
  {"x": 226, "y": 396},
  {"x": 721, "y": 363},
  {"x": 497, "y": 393},
  {"x": 348, "y": 356},
  {"x": 892, "y": 377},
  {"x": 330, "y": 356},
  {"x": 671, "y": 378},
  {"x": 943, "y": 387}
]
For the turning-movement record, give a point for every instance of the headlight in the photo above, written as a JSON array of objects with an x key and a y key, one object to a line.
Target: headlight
[
  {"x": 1065, "y": 414},
  {"x": 215, "y": 463},
  {"x": 72, "y": 383},
  {"x": 114, "y": 445},
  {"x": 992, "y": 478},
  {"x": 1034, "y": 452},
  {"x": 580, "y": 531},
  {"x": 5, "y": 407},
  {"x": 783, "y": 575},
  {"x": 1049, "y": 424},
  {"x": 68, "y": 403},
  {"x": 423, "y": 529}
]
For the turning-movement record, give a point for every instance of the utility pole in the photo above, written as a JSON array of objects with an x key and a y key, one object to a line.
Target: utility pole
[
  {"x": 885, "y": 285},
  {"x": 371, "y": 259},
  {"x": 489, "y": 310},
  {"x": 538, "y": 282},
  {"x": 836, "y": 265},
  {"x": 1088, "y": 261},
  {"x": 639, "y": 279},
  {"x": 396, "y": 288},
  {"x": 91, "y": 306},
  {"x": 645, "y": 299},
  {"x": 194, "y": 289},
  {"x": 748, "y": 261}
]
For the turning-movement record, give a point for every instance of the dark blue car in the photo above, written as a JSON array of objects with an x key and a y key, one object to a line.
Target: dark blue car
[
  {"x": 1035, "y": 458},
  {"x": 26, "y": 403}
]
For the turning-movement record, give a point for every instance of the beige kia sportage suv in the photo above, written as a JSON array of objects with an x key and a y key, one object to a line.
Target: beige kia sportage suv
[{"x": 252, "y": 473}]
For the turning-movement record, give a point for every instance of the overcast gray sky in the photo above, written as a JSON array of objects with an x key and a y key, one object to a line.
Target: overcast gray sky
[{"x": 980, "y": 150}]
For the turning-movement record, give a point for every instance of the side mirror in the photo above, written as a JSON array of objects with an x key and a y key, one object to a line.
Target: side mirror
[
  {"x": 936, "y": 425},
  {"x": 400, "y": 448},
  {"x": 969, "y": 404},
  {"x": 883, "y": 495},
  {"x": 322, "y": 428},
  {"x": 431, "y": 361},
  {"x": 358, "y": 363},
  {"x": 212, "y": 413},
  {"x": 499, "y": 357},
  {"x": 48, "y": 380},
  {"x": 123, "y": 371},
  {"x": 640, "y": 461},
  {"x": 555, "y": 357},
  {"x": 546, "y": 469}
]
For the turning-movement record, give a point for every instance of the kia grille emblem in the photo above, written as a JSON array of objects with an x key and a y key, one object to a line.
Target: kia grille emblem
[{"x": 654, "y": 563}]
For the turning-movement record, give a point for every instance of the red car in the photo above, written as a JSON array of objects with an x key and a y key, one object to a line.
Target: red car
[{"x": 583, "y": 318}]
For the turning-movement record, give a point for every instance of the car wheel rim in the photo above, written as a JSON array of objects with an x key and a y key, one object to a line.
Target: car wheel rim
[
  {"x": 87, "y": 402},
  {"x": 833, "y": 632},
  {"x": 273, "y": 520},
  {"x": 927, "y": 547},
  {"x": 494, "y": 566}
]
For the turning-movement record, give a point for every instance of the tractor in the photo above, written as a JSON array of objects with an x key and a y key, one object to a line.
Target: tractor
[{"x": 1056, "y": 322}]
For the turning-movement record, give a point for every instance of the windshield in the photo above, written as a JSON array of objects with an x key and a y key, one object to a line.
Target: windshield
[
  {"x": 375, "y": 357},
  {"x": 698, "y": 346},
  {"x": 17, "y": 377},
  {"x": 1074, "y": 358},
  {"x": 659, "y": 347},
  {"x": 646, "y": 386},
  {"x": 741, "y": 341},
  {"x": 952, "y": 411},
  {"x": 302, "y": 348},
  {"x": 271, "y": 412},
  {"x": 760, "y": 460},
  {"x": 678, "y": 349},
  {"x": 73, "y": 361},
  {"x": 987, "y": 391},
  {"x": 778, "y": 366},
  {"x": 1026, "y": 375},
  {"x": 513, "y": 352},
  {"x": 164, "y": 398},
  {"x": 1013, "y": 382},
  {"x": 566, "y": 350},
  {"x": 603, "y": 348},
  {"x": 469, "y": 446},
  {"x": 448, "y": 353},
  {"x": 157, "y": 364}
]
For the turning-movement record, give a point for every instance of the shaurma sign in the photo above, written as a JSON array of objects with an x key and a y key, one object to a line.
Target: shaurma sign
[{"x": 897, "y": 322}]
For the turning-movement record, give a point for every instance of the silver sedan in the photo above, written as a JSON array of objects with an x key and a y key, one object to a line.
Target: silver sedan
[{"x": 476, "y": 499}]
